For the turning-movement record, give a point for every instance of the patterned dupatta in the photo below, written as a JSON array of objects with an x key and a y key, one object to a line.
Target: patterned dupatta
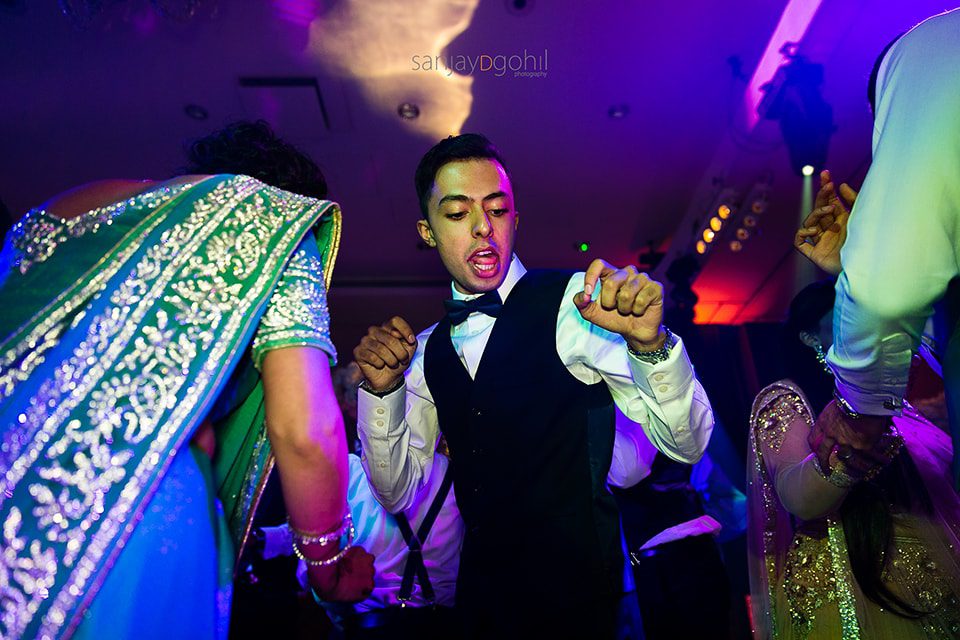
[
  {"x": 933, "y": 575},
  {"x": 770, "y": 530},
  {"x": 103, "y": 380}
]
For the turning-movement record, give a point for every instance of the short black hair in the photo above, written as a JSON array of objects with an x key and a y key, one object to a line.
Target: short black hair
[
  {"x": 466, "y": 146},
  {"x": 253, "y": 149}
]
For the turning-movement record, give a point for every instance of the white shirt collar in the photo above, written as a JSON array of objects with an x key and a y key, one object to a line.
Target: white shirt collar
[{"x": 514, "y": 273}]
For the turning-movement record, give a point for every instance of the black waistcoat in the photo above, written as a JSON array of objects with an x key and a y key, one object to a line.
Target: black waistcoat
[{"x": 532, "y": 447}]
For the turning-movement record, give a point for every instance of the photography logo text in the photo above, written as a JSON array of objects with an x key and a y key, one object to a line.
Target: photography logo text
[{"x": 518, "y": 65}]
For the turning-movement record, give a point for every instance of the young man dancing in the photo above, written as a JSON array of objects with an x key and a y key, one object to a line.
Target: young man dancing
[{"x": 521, "y": 377}]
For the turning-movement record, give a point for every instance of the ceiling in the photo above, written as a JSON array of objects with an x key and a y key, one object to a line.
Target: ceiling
[{"x": 108, "y": 100}]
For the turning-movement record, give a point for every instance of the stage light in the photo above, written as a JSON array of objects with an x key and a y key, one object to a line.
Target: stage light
[
  {"x": 408, "y": 111},
  {"x": 723, "y": 211},
  {"x": 716, "y": 223},
  {"x": 758, "y": 206},
  {"x": 807, "y": 170},
  {"x": 742, "y": 234},
  {"x": 749, "y": 221},
  {"x": 701, "y": 247},
  {"x": 708, "y": 235},
  {"x": 736, "y": 245}
]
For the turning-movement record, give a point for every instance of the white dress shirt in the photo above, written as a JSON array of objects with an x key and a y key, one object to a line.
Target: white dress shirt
[
  {"x": 379, "y": 535},
  {"x": 904, "y": 234},
  {"x": 398, "y": 438}
]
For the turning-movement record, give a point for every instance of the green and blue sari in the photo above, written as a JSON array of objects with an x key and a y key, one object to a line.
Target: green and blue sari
[{"x": 122, "y": 330}]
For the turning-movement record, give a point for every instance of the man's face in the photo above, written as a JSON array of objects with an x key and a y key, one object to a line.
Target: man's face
[{"x": 472, "y": 222}]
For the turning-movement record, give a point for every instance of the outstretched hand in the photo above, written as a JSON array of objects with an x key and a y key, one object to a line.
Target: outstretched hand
[
  {"x": 825, "y": 229},
  {"x": 630, "y": 303}
]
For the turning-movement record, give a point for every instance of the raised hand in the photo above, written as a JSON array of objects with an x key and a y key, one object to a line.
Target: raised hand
[
  {"x": 825, "y": 229},
  {"x": 385, "y": 353},
  {"x": 630, "y": 304}
]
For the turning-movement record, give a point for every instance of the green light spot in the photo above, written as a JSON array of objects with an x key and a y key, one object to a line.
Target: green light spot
[{"x": 584, "y": 247}]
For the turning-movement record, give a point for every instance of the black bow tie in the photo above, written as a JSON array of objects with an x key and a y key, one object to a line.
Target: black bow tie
[{"x": 458, "y": 310}]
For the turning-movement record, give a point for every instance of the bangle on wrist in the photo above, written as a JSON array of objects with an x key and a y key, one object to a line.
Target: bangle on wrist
[
  {"x": 304, "y": 538},
  {"x": 322, "y": 539},
  {"x": 381, "y": 394},
  {"x": 657, "y": 355}
]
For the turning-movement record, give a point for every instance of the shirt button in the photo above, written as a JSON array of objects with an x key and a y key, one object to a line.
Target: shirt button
[
  {"x": 380, "y": 411},
  {"x": 658, "y": 377},
  {"x": 681, "y": 429},
  {"x": 382, "y": 464},
  {"x": 663, "y": 388},
  {"x": 379, "y": 423}
]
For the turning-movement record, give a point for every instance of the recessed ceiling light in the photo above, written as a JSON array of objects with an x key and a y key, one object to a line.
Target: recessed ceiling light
[
  {"x": 618, "y": 111},
  {"x": 196, "y": 112},
  {"x": 408, "y": 111},
  {"x": 519, "y": 7}
]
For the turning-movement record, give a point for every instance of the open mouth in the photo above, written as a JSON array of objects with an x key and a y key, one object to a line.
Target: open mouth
[{"x": 485, "y": 262}]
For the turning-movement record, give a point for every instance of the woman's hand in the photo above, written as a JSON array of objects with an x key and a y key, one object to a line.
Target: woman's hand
[{"x": 349, "y": 580}]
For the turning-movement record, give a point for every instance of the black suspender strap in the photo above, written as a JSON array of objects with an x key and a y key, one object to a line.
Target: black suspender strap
[{"x": 414, "y": 565}]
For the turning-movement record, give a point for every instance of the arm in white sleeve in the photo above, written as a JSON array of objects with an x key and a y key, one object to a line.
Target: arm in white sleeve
[
  {"x": 902, "y": 247},
  {"x": 666, "y": 399},
  {"x": 398, "y": 434},
  {"x": 633, "y": 454}
]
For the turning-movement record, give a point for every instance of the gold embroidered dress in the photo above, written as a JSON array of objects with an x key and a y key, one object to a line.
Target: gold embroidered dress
[
  {"x": 123, "y": 329},
  {"x": 802, "y": 586}
]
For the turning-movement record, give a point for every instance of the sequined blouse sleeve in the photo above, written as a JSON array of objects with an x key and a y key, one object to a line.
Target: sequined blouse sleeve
[
  {"x": 782, "y": 421},
  {"x": 297, "y": 314}
]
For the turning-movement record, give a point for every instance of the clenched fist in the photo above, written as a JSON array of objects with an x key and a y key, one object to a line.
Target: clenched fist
[
  {"x": 630, "y": 304},
  {"x": 385, "y": 353}
]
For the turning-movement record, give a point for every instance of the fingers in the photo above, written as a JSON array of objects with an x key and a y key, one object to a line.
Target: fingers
[
  {"x": 826, "y": 192},
  {"x": 825, "y": 178},
  {"x": 820, "y": 443},
  {"x": 848, "y": 194},
  {"x": 597, "y": 269},
  {"x": 821, "y": 217},
  {"x": 390, "y": 345},
  {"x": 401, "y": 330},
  {"x": 800, "y": 241},
  {"x": 650, "y": 295},
  {"x": 629, "y": 292},
  {"x": 610, "y": 286}
]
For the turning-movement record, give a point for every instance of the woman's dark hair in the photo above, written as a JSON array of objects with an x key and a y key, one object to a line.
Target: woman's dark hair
[
  {"x": 865, "y": 512},
  {"x": 807, "y": 309},
  {"x": 467, "y": 146},
  {"x": 253, "y": 149}
]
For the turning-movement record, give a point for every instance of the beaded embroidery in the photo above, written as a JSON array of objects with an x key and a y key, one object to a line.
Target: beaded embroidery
[
  {"x": 99, "y": 432},
  {"x": 37, "y": 235}
]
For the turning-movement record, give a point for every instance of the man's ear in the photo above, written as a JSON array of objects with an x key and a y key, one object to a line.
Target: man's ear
[{"x": 426, "y": 233}]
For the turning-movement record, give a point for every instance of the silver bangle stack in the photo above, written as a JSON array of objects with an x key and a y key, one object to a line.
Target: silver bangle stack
[{"x": 323, "y": 539}]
